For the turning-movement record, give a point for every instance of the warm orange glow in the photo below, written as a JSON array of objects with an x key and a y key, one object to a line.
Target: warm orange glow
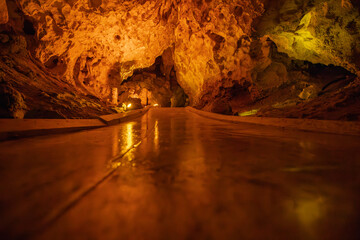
[
  {"x": 156, "y": 135},
  {"x": 156, "y": 105},
  {"x": 129, "y": 105}
]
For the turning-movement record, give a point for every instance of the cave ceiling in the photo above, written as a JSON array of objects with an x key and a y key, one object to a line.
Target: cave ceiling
[{"x": 216, "y": 45}]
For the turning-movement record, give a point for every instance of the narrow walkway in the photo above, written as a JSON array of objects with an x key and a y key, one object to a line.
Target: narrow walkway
[{"x": 174, "y": 175}]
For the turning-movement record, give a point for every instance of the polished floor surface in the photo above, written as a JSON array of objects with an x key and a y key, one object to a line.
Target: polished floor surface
[{"x": 174, "y": 175}]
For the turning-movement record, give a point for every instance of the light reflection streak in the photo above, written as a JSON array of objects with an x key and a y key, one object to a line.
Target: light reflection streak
[
  {"x": 126, "y": 140},
  {"x": 309, "y": 211},
  {"x": 156, "y": 136},
  {"x": 129, "y": 134},
  {"x": 115, "y": 146},
  {"x": 130, "y": 140}
]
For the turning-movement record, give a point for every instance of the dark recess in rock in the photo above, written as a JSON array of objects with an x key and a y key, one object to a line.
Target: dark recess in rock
[
  {"x": 29, "y": 27},
  {"x": 52, "y": 62}
]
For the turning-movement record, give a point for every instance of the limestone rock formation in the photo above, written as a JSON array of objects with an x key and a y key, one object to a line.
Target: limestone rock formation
[
  {"x": 98, "y": 43},
  {"x": 318, "y": 31},
  {"x": 13, "y": 101},
  {"x": 212, "y": 45},
  {"x": 232, "y": 55},
  {"x": 27, "y": 90}
]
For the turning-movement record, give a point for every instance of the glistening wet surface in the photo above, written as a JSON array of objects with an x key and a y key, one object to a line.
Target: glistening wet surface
[{"x": 174, "y": 175}]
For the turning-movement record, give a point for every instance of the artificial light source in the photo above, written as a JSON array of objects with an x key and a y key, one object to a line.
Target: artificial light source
[
  {"x": 129, "y": 105},
  {"x": 156, "y": 105}
]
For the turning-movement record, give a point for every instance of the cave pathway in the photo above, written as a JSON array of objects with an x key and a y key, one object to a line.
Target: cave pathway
[{"x": 172, "y": 174}]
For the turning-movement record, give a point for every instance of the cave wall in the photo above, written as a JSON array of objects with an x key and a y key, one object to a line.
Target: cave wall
[
  {"x": 27, "y": 88},
  {"x": 226, "y": 54},
  {"x": 318, "y": 31},
  {"x": 97, "y": 44},
  {"x": 212, "y": 43},
  {"x": 100, "y": 42}
]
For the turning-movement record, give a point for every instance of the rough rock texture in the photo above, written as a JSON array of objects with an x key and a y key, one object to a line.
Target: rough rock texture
[
  {"x": 155, "y": 85},
  {"x": 318, "y": 31},
  {"x": 96, "y": 44},
  {"x": 212, "y": 45},
  {"x": 13, "y": 102},
  {"x": 27, "y": 90},
  {"x": 341, "y": 104},
  {"x": 227, "y": 56},
  {"x": 313, "y": 56}
]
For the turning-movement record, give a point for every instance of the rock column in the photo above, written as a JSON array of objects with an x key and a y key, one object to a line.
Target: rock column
[
  {"x": 114, "y": 96},
  {"x": 4, "y": 16}
]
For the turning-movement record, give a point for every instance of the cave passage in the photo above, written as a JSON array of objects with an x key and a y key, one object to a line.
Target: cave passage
[
  {"x": 171, "y": 174},
  {"x": 163, "y": 71}
]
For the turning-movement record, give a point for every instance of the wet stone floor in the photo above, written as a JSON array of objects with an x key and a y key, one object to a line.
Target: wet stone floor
[{"x": 174, "y": 175}]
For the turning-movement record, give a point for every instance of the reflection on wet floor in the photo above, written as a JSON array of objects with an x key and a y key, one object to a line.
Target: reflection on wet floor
[
  {"x": 175, "y": 175},
  {"x": 156, "y": 136}
]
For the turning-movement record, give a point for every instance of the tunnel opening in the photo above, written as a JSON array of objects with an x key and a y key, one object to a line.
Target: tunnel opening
[{"x": 156, "y": 85}]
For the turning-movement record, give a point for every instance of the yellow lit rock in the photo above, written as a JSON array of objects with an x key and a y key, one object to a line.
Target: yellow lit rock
[{"x": 326, "y": 33}]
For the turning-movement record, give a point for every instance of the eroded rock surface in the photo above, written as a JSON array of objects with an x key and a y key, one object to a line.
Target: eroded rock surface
[
  {"x": 27, "y": 90},
  {"x": 99, "y": 43},
  {"x": 238, "y": 54},
  {"x": 317, "y": 31}
]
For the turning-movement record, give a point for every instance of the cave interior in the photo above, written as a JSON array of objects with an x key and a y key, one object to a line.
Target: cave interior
[
  {"x": 82, "y": 59},
  {"x": 180, "y": 119}
]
